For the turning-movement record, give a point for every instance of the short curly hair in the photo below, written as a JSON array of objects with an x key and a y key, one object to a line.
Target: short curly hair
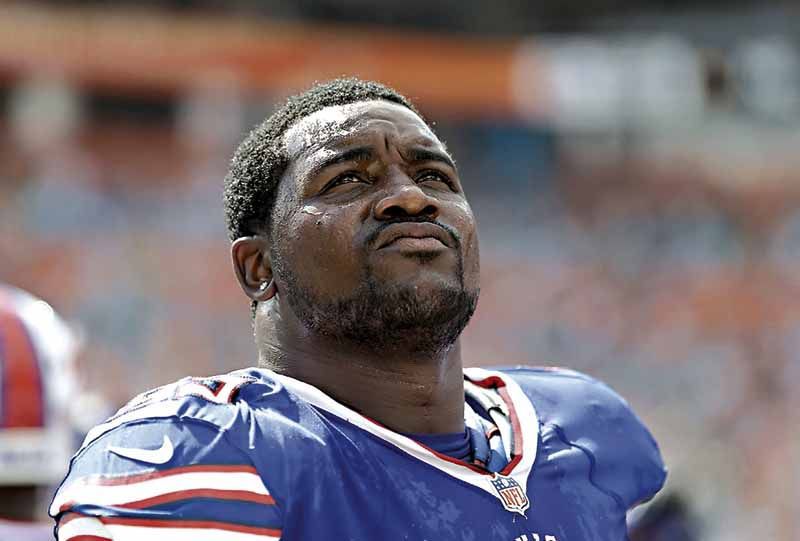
[{"x": 260, "y": 160}]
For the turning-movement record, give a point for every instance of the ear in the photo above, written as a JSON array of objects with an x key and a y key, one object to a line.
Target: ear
[{"x": 253, "y": 268}]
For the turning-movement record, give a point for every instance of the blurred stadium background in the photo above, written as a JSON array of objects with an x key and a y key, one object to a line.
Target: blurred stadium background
[{"x": 634, "y": 167}]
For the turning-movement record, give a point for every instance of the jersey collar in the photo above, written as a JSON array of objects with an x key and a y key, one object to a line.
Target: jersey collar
[{"x": 522, "y": 414}]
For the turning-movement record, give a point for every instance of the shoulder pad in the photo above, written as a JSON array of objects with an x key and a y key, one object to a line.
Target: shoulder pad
[
  {"x": 188, "y": 397},
  {"x": 594, "y": 418}
]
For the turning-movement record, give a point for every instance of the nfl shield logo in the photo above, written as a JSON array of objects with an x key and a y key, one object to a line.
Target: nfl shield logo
[{"x": 511, "y": 494}]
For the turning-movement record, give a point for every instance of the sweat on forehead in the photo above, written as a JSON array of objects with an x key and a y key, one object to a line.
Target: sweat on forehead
[{"x": 339, "y": 123}]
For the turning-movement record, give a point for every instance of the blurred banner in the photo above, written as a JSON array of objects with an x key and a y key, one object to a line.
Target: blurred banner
[{"x": 155, "y": 53}]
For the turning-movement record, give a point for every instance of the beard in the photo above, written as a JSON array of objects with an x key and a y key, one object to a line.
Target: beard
[{"x": 377, "y": 316}]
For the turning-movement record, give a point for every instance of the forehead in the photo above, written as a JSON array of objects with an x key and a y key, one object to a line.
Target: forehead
[{"x": 338, "y": 125}]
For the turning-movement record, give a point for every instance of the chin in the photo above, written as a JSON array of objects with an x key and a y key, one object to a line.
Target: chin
[
  {"x": 429, "y": 283},
  {"x": 424, "y": 310},
  {"x": 417, "y": 278}
]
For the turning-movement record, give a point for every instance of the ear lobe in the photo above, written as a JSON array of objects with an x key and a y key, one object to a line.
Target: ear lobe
[
  {"x": 253, "y": 268},
  {"x": 267, "y": 290}
]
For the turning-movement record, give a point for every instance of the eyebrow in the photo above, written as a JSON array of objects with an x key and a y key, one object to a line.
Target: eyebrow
[
  {"x": 426, "y": 155},
  {"x": 350, "y": 155},
  {"x": 366, "y": 154}
]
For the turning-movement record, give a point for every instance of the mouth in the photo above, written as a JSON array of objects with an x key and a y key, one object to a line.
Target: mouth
[
  {"x": 413, "y": 236},
  {"x": 417, "y": 244}
]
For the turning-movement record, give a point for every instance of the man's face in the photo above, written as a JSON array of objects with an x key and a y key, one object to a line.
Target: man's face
[{"x": 373, "y": 238}]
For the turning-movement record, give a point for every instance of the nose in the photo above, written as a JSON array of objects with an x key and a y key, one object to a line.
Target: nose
[{"x": 406, "y": 199}]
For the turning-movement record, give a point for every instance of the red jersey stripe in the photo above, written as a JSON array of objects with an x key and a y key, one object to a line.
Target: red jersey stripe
[
  {"x": 69, "y": 517},
  {"x": 23, "y": 399},
  {"x": 238, "y": 495}
]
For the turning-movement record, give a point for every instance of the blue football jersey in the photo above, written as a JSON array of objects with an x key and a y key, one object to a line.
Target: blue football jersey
[{"x": 255, "y": 456}]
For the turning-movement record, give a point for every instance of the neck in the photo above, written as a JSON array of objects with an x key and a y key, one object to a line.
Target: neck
[{"x": 407, "y": 392}]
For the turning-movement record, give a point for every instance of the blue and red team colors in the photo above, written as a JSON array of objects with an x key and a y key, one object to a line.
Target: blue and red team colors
[{"x": 256, "y": 456}]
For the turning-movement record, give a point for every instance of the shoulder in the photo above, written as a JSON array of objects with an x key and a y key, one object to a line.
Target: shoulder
[
  {"x": 223, "y": 402},
  {"x": 570, "y": 397},
  {"x": 182, "y": 450},
  {"x": 591, "y": 416},
  {"x": 569, "y": 394},
  {"x": 203, "y": 413}
]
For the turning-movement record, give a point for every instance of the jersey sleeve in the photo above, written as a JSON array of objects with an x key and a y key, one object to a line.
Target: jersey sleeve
[{"x": 169, "y": 479}]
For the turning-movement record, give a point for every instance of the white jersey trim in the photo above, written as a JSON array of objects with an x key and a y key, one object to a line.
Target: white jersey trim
[
  {"x": 82, "y": 526},
  {"x": 90, "y": 526},
  {"x": 92, "y": 489}
]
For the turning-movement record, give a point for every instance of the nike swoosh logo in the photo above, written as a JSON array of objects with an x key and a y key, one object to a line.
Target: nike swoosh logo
[{"x": 162, "y": 455}]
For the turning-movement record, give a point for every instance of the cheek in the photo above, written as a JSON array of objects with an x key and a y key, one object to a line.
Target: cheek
[
  {"x": 472, "y": 264},
  {"x": 469, "y": 245},
  {"x": 321, "y": 248}
]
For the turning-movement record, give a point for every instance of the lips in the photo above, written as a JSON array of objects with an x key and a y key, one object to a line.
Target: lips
[{"x": 429, "y": 235}]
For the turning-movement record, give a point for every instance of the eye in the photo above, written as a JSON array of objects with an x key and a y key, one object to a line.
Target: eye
[
  {"x": 432, "y": 175},
  {"x": 348, "y": 177}
]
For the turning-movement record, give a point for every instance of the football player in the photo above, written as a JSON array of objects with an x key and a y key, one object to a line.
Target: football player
[
  {"x": 353, "y": 238},
  {"x": 37, "y": 349}
]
